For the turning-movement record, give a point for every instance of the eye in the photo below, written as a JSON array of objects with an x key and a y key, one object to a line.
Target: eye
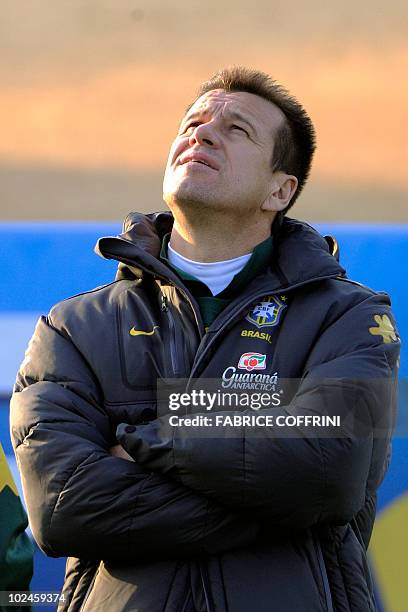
[
  {"x": 186, "y": 128},
  {"x": 238, "y": 127}
]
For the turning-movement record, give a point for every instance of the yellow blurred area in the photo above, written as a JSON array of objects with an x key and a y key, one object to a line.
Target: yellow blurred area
[
  {"x": 126, "y": 116},
  {"x": 388, "y": 549},
  {"x": 92, "y": 93}
]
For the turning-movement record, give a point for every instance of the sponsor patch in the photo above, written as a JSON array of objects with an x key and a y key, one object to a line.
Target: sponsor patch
[
  {"x": 232, "y": 378},
  {"x": 267, "y": 313},
  {"x": 252, "y": 361}
]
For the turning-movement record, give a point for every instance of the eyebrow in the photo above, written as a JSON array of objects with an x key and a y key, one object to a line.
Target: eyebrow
[
  {"x": 231, "y": 114},
  {"x": 191, "y": 117}
]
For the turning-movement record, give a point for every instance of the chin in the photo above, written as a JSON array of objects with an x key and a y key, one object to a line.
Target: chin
[{"x": 190, "y": 197}]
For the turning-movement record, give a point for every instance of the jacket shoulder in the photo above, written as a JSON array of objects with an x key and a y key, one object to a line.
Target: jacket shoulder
[
  {"x": 351, "y": 307},
  {"x": 101, "y": 299},
  {"x": 354, "y": 292},
  {"x": 364, "y": 288}
]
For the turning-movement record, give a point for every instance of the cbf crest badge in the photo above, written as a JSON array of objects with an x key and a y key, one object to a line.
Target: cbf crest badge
[{"x": 268, "y": 312}]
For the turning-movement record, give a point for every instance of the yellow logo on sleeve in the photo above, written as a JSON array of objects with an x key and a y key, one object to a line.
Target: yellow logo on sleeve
[{"x": 385, "y": 329}]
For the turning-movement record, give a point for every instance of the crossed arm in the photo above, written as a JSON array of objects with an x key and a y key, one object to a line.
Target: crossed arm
[
  {"x": 84, "y": 500},
  {"x": 182, "y": 495}
]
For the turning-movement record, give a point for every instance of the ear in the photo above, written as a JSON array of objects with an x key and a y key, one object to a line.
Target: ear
[{"x": 283, "y": 187}]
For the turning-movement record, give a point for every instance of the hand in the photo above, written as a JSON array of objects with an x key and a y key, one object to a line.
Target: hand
[{"x": 119, "y": 451}]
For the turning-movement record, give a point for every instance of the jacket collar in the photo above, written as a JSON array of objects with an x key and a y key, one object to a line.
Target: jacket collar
[{"x": 300, "y": 253}]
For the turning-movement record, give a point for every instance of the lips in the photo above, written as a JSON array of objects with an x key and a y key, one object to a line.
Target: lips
[{"x": 198, "y": 158}]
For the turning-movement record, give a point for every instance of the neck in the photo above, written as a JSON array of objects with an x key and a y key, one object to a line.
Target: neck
[{"x": 219, "y": 241}]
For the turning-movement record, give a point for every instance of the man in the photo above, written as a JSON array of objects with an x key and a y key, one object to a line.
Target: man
[{"x": 156, "y": 515}]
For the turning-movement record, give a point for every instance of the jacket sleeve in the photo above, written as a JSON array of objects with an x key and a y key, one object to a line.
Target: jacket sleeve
[
  {"x": 83, "y": 502},
  {"x": 295, "y": 475}
]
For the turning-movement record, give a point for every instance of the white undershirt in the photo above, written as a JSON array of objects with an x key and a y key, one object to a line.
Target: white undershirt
[{"x": 216, "y": 275}]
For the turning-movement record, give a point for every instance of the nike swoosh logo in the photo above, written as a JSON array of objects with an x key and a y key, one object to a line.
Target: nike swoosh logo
[{"x": 138, "y": 332}]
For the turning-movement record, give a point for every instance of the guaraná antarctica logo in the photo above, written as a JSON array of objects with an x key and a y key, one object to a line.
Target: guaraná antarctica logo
[{"x": 250, "y": 379}]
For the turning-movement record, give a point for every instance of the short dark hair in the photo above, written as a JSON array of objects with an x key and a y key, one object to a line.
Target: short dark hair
[{"x": 295, "y": 141}]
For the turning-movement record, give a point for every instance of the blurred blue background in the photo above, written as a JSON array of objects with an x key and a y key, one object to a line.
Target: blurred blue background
[{"x": 42, "y": 263}]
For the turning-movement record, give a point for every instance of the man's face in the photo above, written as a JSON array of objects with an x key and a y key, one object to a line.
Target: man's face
[{"x": 221, "y": 156}]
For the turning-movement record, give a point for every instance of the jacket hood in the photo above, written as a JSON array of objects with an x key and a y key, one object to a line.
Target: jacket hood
[{"x": 300, "y": 253}]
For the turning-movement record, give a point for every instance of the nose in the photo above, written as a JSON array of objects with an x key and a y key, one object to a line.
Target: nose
[{"x": 204, "y": 133}]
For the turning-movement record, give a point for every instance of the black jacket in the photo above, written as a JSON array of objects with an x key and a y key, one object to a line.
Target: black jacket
[{"x": 265, "y": 519}]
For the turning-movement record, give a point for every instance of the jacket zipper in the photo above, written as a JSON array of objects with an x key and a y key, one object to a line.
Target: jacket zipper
[
  {"x": 197, "y": 317},
  {"x": 173, "y": 340}
]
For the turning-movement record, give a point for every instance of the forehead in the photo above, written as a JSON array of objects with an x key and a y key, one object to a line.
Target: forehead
[{"x": 221, "y": 102}]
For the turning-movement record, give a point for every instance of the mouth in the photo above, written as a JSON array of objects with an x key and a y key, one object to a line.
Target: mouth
[{"x": 197, "y": 159}]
